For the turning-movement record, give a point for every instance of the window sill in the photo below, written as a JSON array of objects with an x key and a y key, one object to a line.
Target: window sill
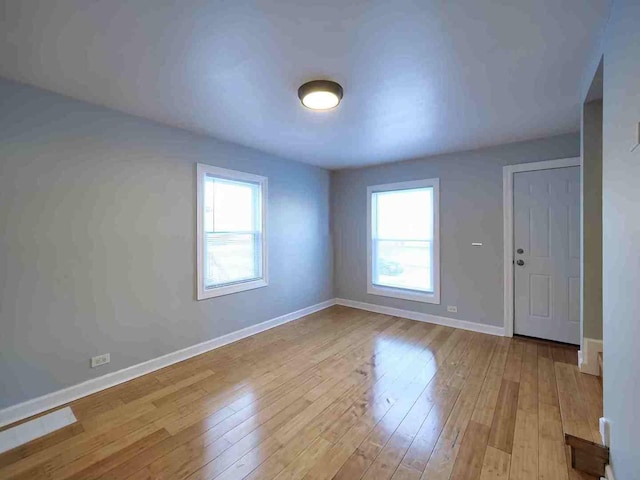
[
  {"x": 204, "y": 294},
  {"x": 404, "y": 294}
]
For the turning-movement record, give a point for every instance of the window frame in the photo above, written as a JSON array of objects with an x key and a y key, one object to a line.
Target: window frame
[
  {"x": 397, "y": 292},
  {"x": 202, "y": 171}
]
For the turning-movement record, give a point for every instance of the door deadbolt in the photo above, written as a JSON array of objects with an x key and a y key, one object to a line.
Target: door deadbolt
[{"x": 520, "y": 251}]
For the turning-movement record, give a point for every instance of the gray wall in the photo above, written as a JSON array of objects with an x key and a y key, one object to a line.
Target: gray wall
[
  {"x": 97, "y": 247},
  {"x": 621, "y": 242},
  {"x": 470, "y": 211},
  {"x": 592, "y": 220}
]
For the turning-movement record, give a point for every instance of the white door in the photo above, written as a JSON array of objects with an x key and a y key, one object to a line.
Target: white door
[{"x": 546, "y": 218}]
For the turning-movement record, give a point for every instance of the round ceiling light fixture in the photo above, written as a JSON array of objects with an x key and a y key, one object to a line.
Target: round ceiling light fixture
[{"x": 320, "y": 94}]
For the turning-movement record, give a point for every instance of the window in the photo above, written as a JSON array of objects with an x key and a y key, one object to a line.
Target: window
[
  {"x": 403, "y": 246},
  {"x": 231, "y": 247}
]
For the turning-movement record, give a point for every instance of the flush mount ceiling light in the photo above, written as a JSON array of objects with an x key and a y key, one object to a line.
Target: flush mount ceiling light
[{"x": 320, "y": 94}]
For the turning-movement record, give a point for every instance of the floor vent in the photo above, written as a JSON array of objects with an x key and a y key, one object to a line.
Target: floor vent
[{"x": 38, "y": 427}]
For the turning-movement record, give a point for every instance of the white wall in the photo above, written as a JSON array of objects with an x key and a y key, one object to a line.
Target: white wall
[
  {"x": 621, "y": 242},
  {"x": 97, "y": 247}
]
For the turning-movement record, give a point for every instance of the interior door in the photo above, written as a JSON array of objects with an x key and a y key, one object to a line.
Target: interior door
[{"x": 547, "y": 254}]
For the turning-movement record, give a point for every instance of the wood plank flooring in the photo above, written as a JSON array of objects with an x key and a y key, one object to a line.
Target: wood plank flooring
[{"x": 342, "y": 394}]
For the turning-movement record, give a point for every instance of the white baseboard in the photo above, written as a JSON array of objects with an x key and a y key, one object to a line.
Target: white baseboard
[
  {"x": 604, "y": 426},
  {"x": 55, "y": 399},
  {"x": 423, "y": 317},
  {"x": 580, "y": 358},
  {"x": 608, "y": 473},
  {"x": 588, "y": 356}
]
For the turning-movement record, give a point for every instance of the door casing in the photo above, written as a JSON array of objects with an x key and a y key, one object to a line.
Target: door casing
[{"x": 507, "y": 212}]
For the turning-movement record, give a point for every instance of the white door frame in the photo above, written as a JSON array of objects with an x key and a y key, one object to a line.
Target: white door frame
[{"x": 507, "y": 212}]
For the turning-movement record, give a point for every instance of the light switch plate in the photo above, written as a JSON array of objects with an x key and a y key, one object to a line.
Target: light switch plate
[{"x": 637, "y": 139}]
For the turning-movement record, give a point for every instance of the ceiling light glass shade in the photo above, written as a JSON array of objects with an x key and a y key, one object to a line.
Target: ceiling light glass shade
[
  {"x": 320, "y": 100},
  {"x": 320, "y": 94}
]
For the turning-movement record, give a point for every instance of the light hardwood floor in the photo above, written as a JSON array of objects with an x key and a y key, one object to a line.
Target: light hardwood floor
[{"x": 342, "y": 394}]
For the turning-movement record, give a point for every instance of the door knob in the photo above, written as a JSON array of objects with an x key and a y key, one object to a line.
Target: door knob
[{"x": 520, "y": 262}]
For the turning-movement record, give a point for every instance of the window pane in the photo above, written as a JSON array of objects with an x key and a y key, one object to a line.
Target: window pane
[
  {"x": 231, "y": 258},
  {"x": 235, "y": 205},
  {"x": 402, "y": 264},
  {"x": 402, "y": 243},
  {"x": 404, "y": 214},
  {"x": 231, "y": 236}
]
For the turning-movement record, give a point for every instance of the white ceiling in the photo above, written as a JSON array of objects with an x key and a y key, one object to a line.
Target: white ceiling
[{"x": 420, "y": 77}]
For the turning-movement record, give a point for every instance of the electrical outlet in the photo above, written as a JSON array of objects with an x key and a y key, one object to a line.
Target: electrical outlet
[
  {"x": 452, "y": 308},
  {"x": 100, "y": 360}
]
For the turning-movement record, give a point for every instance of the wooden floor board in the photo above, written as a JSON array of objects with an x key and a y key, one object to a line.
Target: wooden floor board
[
  {"x": 504, "y": 420},
  {"x": 496, "y": 465},
  {"x": 552, "y": 464},
  {"x": 366, "y": 434},
  {"x": 248, "y": 443},
  {"x": 415, "y": 398},
  {"x": 524, "y": 454},
  {"x": 447, "y": 447},
  {"x": 341, "y": 393},
  {"x": 468, "y": 463},
  {"x": 575, "y": 418},
  {"x": 246, "y": 452}
]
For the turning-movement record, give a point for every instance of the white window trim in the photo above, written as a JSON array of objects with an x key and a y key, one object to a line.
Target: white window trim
[
  {"x": 202, "y": 171},
  {"x": 406, "y": 294}
]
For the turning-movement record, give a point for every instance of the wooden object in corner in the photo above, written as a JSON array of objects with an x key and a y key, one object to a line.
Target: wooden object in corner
[{"x": 586, "y": 456}]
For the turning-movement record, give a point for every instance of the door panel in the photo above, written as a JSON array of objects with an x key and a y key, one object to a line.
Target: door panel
[
  {"x": 539, "y": 295},
  {"x": 547, "y": 231},
  {"x": 539, "y": 232}
]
